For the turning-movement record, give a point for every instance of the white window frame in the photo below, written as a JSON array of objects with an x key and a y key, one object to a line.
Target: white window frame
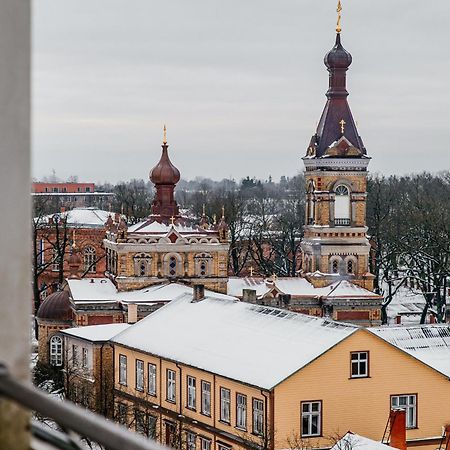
[
  {"x": 56, "y": 351},
  {"x": 311, "y": 411},
  {"x": 122, "y": 370},
  {"x": 408, "y": 402},
  {"x": 206, "y": 398},
  {"x": 225, "y": 405},
  {"x": 205, "y": 444},
  {"x": 359, "y": 361},
  {"x": 241, "y": 411},
  {"x": 74, "y": 355},
  {"x": 258, "y": 416},
  {"x": 151, "y": 378},
  {"x": 139, "y": 379},
  {"x": 191, "y": 439},
  {"x": 89, "y": 259},
  {"x": 171, "y": 386},
  {"x": 191, "y": 392},
  {"x": 84, "y": 357}
]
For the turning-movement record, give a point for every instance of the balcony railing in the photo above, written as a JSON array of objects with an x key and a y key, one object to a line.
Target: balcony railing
[
  {"x": 68, "y": 416},
  {"x": 341, "y": 222}
]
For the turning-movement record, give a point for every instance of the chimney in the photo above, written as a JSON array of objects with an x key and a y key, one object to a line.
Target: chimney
[
  {"x": 285, "y": 299},
  {"x": 132, "y": 313},
  {"x": 63, "y": 209},
  {"x": 199, "y": 292},
  {"x": 397, "y": 420},
  {"x": 249, "y": 295},
  {"x": 398, "y": 319}
]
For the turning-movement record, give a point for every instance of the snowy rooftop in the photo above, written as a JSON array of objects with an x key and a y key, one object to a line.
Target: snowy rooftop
[
  {"x": 89, "y": 290},
  {"x": 254, "y": 344},
  {"x": 97, "y": 333},
  {"x": 89, "y": 217},
  {"x": 151, "y": 226},
  {"x": 428, "y": 343},
  {"x": 353, "y": 441},
  {"x": 297, "y": 287}
]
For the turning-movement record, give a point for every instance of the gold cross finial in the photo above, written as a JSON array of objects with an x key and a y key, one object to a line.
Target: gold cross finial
[
  {"x": 251, "y": 271},
  {"x": 342, "y": 124},
  {"x": 203, "y": 211},
  {"x": 223, "y": 212},
  {"x": 338, "y": 10},
  {"x": 165, "y": 135},
  {"x": 172, "y": 220},
  {"x": 214, "y": 219}
]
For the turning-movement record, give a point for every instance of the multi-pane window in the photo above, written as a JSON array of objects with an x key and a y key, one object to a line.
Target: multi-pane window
[
  {"x": 122, "y": 413},
  {"x": 89, "y": 259},
  {"x": 74, "y": 355},
  {"x": 205, "y": 444},
  {"x": 225, "y": 405},
  {"x": 40, "y": 252},
  {"x": 172, "y": 266},
  {"x": 139, "y": 375},
  {"x": 359, "y": 364},
  {"x": 152, "y": 379},
  {"x": 223, "y": 447},
  {"x": 335, "y": 266},
  {"x": 56, "y": 351},
  {"x": 170, "y": 385},
  {"x": 152, "y": 420},
  {"x": 139, "y": 418},
  {"x": 191, "y": 392},
  {"x": 311, "y": 418},
  {"x": 84, "y": 358},
  {"x": 190, "y": 440},
  {"x": 409, "y": 404},
  {"x": 55, "y": 260},
  {"x": 258, "y": 416},
  {"x": 350, "y": 266},
  {"x": 206, "y": 398},
  {"x": 241, "y": 411},
  {"x": 123, "y": 369}
]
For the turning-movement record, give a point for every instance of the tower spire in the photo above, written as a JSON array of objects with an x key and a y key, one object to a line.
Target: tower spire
[
  {"x": 339, "y": 10},
  {"x": 165, "y": 135}
]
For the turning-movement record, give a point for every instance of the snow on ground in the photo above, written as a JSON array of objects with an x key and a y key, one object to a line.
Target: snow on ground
[{"x": 269, "y": 344}]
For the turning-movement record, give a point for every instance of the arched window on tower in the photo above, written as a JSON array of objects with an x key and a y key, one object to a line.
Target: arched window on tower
[
  {"x": 203, "y": 264},
  {"x": 335, "y": 266},
  {"x": 142, "y": 265},
  {"x": 89, "y": 259},
  {"x": 56, "y": 351},
  {"x": 311, "y": 205},
  {"x": 350, "y": 268},
  {"x": 342, "y": 205}
]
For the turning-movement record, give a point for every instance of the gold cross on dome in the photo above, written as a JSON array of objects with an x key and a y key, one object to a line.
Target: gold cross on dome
[
  {"x": 342, "y": 123},
  {"x": 339, "y": 10},
  {"x": 251, "y": 271},
  {"x": 172, "y": 220}
]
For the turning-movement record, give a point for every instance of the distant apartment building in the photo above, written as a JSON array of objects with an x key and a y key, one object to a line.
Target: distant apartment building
[{"x": 71, "y": 195}]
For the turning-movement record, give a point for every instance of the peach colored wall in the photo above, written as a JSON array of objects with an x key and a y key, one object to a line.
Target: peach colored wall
[{"x": 362, "y": 405}]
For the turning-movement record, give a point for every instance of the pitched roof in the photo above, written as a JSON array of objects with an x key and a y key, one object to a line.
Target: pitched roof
[
  {"x": 353, "y": 441},
  {"x": 82, "y": 217},
  {"x": 427, "y": 343},
  {"x": 254, "y": 344},
  {"x": 97, "y": 333}
]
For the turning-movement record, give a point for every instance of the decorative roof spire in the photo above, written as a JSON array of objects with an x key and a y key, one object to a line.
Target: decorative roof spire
[
  {"x": 165, "y": 176},
  {"x": 339, "y": 10}
]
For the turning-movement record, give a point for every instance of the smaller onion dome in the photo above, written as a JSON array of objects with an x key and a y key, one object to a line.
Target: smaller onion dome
[
  {"x": 122, "y": 225},
  {"x": 164, "y": 172},
  {"x": 109, "y": 223},
  {"x": 338, "y": 57},
  {"x": 56, "y": 307}
]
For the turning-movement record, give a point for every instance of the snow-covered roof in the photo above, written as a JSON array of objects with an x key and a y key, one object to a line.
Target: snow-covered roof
[
  {"x": 254, "y": 344},
  {"x": 154, "y": 227},
  {"x": 297, "y": 287},
  {"x": 82, "y": 217},
  {"x": 353, "y": 441},
  {"x": 428, "y": 343},
  {"x": 87, "y": 290},
  {"x": 97, "y": 333}
]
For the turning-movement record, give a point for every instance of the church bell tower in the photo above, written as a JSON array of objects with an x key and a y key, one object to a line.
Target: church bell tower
[{"x": 335, "y": 244}]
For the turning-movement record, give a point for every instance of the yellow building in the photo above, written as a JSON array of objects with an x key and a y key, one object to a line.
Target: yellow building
[{"x": 216, "y": 374}]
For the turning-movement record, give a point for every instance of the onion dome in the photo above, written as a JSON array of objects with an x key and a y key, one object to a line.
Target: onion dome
[
  {"x": 338, "y": 57},
  {"x": 122, "y": 225},
  {"x": 56, "y": 307},
  {"x": 164, "y": 172}
]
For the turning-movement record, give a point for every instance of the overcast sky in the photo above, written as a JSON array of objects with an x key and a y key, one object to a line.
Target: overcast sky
[{"x": 240, "y": 84}]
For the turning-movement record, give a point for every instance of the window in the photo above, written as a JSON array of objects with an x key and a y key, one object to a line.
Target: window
[
  {"x": 172, "y": 266},
  {"x": 123, "y": 370},
  {"x": 190, "y": 441},
  {"x": 84, "y": 358},
  {"x": 88, "y": 189},
  {"x": 225, "y": 405},
  {"x": 152, "y": 379},
  {"x": 40, "y": 253},
  {"x": 311, "y": 419},
  {"x": 56, "y": 351},
  {"x": 55, "y": 260},
  {"x": 171, "y": 434},
  {"x": 152, "y": 420},
  {"x": 89, "y": 259},
  {"x": 409, "y": 404},
  {"x": 205, "y": 444},
  {"x": 139, "y": 375},
  {"x": 191, "y": 394},
  {"x": 122, "y": 413},
  {"x": 342, "y": 205},
  {"x": 241, "y": 411},
  {"x": 74, "y": 355},
  {"x": 258, "y": 416},
  {"x": 139, "y": 418},
  {"x": 170, "y": 386},
  {"x": 335, "y": 266},
  {"x": 223, "y": 446},
  {"x": 359, "y": 364},
  {"x": 142, "y": 265},
  {"x": 206, "y": 398},
  {"x": 350, "y": 268}
]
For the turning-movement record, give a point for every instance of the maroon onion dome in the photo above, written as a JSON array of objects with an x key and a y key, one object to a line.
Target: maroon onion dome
[
  {"x": 56, "y": 307},
  {"x": 338, "y": 57},
  {"x": 164, "y": 172}
]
